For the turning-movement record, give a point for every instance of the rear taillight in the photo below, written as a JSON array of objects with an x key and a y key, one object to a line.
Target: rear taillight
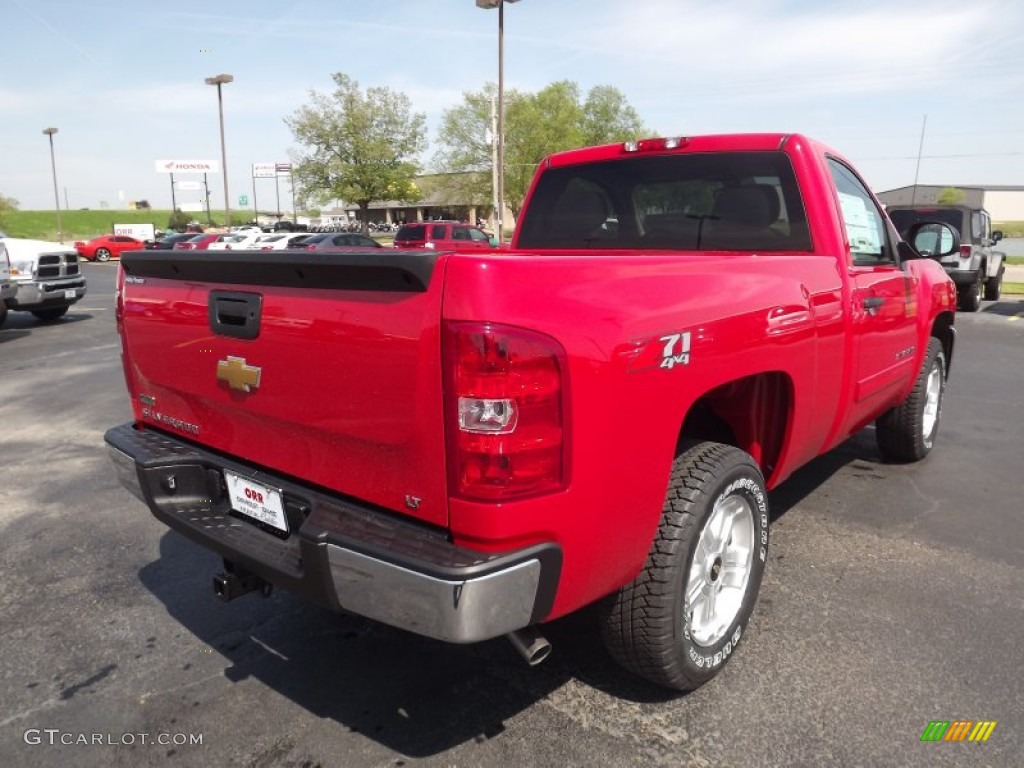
[
  {"x": 965, "y": 251},
  {"x": 506, "y": 413}
]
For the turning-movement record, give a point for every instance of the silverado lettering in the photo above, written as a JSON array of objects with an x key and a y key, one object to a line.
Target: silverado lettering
[{"x": 471, "y": 444}]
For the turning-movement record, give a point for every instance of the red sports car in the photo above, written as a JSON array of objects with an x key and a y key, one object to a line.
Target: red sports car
[{"x": 107, "y": 247}]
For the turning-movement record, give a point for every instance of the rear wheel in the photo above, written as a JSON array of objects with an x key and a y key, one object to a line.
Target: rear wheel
[
  {"x": 907, "y": 431},
  {"x": 49, "y": 315},
  {"x": 970, "y": 297},
  {"x": 994, "y": 286},
  {"x": 102, "y": 254},
  {"x": 3, "y": 312},
  {"x": 679, "y": 621}
]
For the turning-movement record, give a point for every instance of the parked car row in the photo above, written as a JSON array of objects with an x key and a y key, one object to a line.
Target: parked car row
[{"x": 436, "y": 235}]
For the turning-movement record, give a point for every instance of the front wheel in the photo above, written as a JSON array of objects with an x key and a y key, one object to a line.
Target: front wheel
[
  {"x": 907, "y": 431},
  {"x": 102, "y": 254},
  {"x": 994, "y": 286},
  {"x": 50, "y": 315},
  {"x": 679, "y": 621}
]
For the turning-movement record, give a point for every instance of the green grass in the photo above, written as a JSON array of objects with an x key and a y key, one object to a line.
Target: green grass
[
  {"x": 1014, "y": 288},
  {"x": 82, "y": 225},
  {"x": 1009, "y": 228},
  {"x": 1015, "y": 260}
]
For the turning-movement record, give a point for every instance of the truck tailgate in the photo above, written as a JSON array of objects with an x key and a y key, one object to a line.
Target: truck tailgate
[{"x": 322, "y": 366}]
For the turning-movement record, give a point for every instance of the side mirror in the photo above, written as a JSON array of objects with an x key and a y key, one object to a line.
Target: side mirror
[
  {"x": 933, "y": 239},
  {"x": 997, "y": 236}
]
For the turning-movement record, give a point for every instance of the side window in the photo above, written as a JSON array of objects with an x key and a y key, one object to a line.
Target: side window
[
  {"x": 477, "y": 236},
  {"x": 977, "y": 228},
  {"x": 460, "y": 233},
  {"x": 438, "y": 232},
  {"x": 865, "y": 224},
  {"x": 986, "y": 226}
]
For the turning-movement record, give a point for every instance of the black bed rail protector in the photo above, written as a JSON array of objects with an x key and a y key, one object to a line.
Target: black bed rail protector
[{"x": 369, "y": 270}]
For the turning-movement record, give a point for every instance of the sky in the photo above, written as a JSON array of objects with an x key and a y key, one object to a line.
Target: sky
[{"x": 124, "y": 81}]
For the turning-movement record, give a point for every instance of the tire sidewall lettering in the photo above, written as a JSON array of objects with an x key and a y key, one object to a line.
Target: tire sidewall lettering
[{"x": 708, "y": 659}]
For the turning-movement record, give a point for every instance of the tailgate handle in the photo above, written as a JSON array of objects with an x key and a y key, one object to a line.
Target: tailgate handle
[{"x": 235, "y": 314}]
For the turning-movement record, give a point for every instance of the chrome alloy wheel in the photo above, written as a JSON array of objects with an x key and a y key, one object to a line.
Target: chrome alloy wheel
[
  {"x": 720, "y": 570},
  {"x": 932, "y": 403}
]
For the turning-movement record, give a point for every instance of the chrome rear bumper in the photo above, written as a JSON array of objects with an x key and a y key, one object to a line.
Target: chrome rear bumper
[{"x": 343, "y": 555}]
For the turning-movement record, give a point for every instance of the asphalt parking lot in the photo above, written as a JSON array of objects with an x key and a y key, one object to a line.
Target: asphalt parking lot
[{"x": 894, "y": 596}]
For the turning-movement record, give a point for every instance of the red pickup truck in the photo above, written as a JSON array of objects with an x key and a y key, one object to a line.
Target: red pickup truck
[{"x": 468, "y": 445}]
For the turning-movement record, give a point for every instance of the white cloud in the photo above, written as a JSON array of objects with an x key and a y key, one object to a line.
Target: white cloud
[{"x": 757, "y": 51}]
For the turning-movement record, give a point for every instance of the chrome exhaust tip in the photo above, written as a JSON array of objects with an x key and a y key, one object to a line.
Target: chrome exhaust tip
[{"x": 530, "y": 644}]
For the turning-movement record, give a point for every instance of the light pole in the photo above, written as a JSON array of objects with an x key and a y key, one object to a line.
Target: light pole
[
  {"x": 220, "y": 80},
  {"x": 500, "y": 5},
  {"x": 53, "y": 167}
]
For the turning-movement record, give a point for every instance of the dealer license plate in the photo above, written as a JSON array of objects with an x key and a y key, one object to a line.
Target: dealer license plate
[
  {"x": 256, "y": 501},
  {"x": 69, "y": 294}
]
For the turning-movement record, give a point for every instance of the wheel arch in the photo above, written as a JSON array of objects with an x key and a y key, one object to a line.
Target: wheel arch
[
  {"x": 753, "y": 413},
  {"x": 943, "y": 330}
]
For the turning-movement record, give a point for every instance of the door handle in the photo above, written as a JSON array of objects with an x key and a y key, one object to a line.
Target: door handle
[
  {"x": 235, "y": 314},
  {"x": 872, "y": 304}
]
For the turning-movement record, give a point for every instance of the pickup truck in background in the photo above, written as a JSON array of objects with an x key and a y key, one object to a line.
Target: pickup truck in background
[
  {"x": 976, "y": 268},
  {"x": 469, "y": 445},
  {"x": 8, "y": 288},
  {"x": 48, "y": 277}
]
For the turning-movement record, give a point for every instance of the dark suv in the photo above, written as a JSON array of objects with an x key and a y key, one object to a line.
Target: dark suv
[
  {"x": 443, "y": 236},
  {"x": 976, "y": 269}
]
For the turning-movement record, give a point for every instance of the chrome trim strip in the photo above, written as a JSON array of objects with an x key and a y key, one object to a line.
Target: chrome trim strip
[{"x": 465, "y": 611}]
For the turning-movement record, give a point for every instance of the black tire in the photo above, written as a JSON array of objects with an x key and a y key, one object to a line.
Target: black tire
[
  {"x": 3, "y": 312},
  {"x": 970, "y": 297},
  {"x": 102, "y": 254},
  {"x": 994, "y": 287},
  {"x": 902, "y": 432},
  {"x": 50, "y": 315},
  {"x": 647, "y": 625}
]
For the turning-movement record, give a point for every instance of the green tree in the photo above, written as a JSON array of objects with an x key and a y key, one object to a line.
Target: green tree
[
  {"x": 464, "y": 155},
  {"x": 950, "y": 196},
  {"x": 357, "y": 146},
  {"x": 178, "y": 220},
  {"x": 551, "y": 120},
  {"x": 7, "y": 205},
  {"x": 608, "y": 117}
]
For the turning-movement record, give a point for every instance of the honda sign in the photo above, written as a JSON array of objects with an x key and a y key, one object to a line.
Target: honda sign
[{"x": 187, "y": 166}]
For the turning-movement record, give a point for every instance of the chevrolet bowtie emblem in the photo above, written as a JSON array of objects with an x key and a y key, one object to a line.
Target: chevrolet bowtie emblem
[{"x": 238, "y": 375}]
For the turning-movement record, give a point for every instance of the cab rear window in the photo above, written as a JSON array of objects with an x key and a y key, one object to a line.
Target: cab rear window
[{"x": 702, "y": 201}]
